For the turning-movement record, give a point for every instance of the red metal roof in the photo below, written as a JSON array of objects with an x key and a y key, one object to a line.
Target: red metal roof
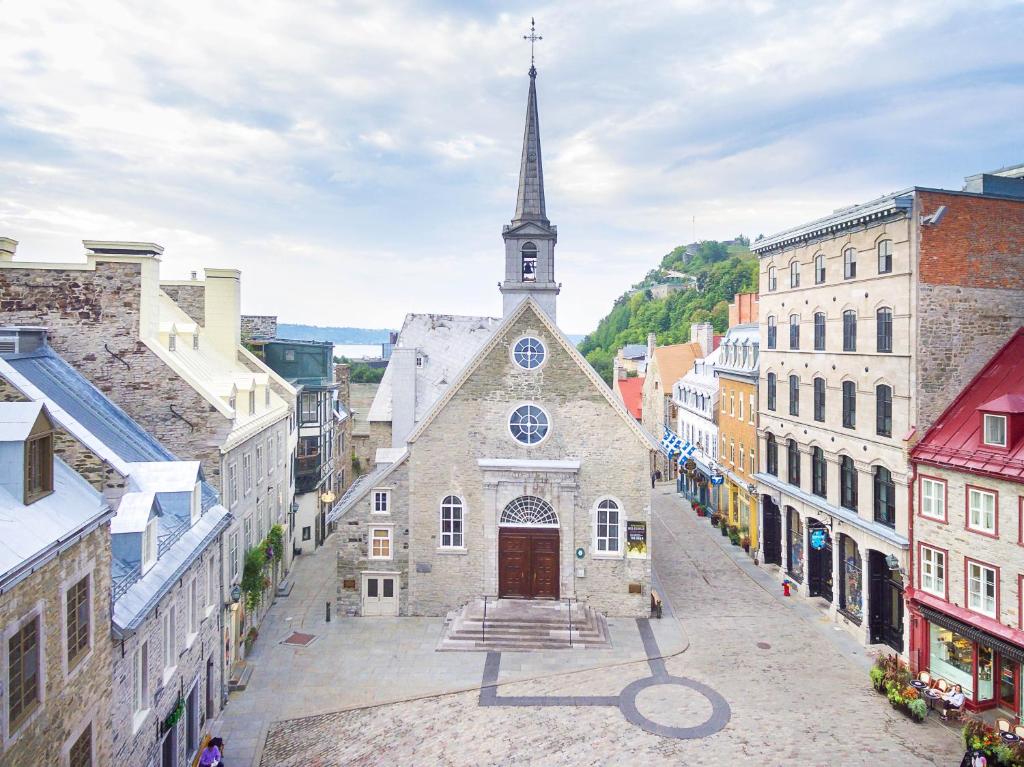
[
  {"x": 632, "y": 390},
  {"x": 955, "y": 438}
]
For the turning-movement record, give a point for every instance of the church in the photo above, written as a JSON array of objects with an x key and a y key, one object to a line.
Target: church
[{"x": 505, "y": 467}]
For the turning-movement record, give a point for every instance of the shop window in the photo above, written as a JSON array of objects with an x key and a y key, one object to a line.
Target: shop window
[
  {"x": 952, "y": 657},
  {"x": 795, "y": 545},
  {"x": 851, "y": 599}
]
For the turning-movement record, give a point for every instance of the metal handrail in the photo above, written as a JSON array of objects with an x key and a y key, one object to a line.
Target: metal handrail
[
  {"x": 568, "y": 601},
  {"x": 483, "y": 624}
]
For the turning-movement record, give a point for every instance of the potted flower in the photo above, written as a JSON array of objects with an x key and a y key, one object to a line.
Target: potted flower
[
  {"x": 724, "y": 527},
  {"x": 715, "y": 519},
  {"x": 734, "y": 535},
  {"x": 745, "y": 543}
]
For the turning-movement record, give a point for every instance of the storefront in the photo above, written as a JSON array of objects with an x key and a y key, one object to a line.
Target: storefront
[
  {"x": 851, "y": 580},
  {"x": 794, "y": 545},
  {"x": 987, "y": 667}
]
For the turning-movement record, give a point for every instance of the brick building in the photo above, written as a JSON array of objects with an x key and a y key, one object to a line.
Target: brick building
[
  {"x": 967, "y": 567},
  {"x": 511, "y": 469},
  {"x": 873, "y": 318},
  {"x": 190, "y": 385},
  {"x": 54, "y": 600}
]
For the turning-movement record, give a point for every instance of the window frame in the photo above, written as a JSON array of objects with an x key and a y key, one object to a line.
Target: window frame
[
  {"x": 883, "y": 416},
  {"x": 887, "y": 256},
  {"x": 877, "y": 469},
  {"x": 169, "y": 640},
  {"x": 542, "y": 354},
  {"x": 771, "y": 446},
  {"x": 794, "y": 273},
  {"x": 372, "y": 538},
  {"x": 773, "y": 279},
  {"x": 818, "y": 412},
  {"x": 819, "y": 472},
  {"x": 773, "y": 332},
  {"x": 793, "y": 467},
  {"x": 794, "y": 332},
  {"x": 849, "y": 263},
  {"x": 849, "y": 330},
  {"x": 984, "y": 430},
  {"x": 883, "y": 329},
  {"x": 72, "y": 743},
  {"x": 378, "y": 494},
  {"x": 794, "y": 401},
  {"x": 968, "y": 561},
  {"x": 141, "y": 691},
  {"x": 921, "y": 545},
  {"x": 13, "y": 728},
  {"x": 71, "y": 664},
  {"x": 820, "y": 320},
  {"x": 849, "y": 490},
  {"x": 968, "y": 489},
  {"x": 849, "y": 409},
  {"x": 620, "y": 528},
  {"x": 771, "y": 391},
  {"x": 45, "y": 467},
  {"x": 547, "y": 424},
  {"x": 458, "y": 505},
  {"x": 921, "y": 479},
  {"x": 150, "y": 545},
  {"x": 819, "y": 269}
]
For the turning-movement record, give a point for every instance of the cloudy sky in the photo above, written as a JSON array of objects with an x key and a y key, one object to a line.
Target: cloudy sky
[{"x": 356, "y": 160}]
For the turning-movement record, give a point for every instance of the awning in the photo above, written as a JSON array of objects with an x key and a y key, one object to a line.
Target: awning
[{"x": 1001, "y": 646}]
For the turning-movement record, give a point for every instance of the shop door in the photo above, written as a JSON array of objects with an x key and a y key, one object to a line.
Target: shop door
[
  {"x": 169, "y": 749},
  {"x": 819, "y": 561},
  {"x": 886, "y": 603},
  {"x": 380, "y": 595},
  {"x": 528, "y": 563},
  {"x": 1009, "y": 682},
  {"x": 772, "y": 533}
]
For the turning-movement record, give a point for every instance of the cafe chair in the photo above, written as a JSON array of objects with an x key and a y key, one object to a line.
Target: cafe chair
[
  {"x": 1019, "y": 731},
  {"x": 1003, "y": 725},
  {"x": 943, "y": 686},
  {"x": 925, "y": 677}
]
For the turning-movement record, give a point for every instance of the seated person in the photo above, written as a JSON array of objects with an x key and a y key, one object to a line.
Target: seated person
[
  {"x": 953, "y": 700},
  {"x": 211, "y": 756}
]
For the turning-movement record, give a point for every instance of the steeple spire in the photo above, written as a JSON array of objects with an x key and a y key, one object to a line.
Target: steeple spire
[{"x": 530, "y": 200}]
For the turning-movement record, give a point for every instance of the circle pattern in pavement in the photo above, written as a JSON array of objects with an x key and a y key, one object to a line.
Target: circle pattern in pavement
[{"x": 718, "y": 719}]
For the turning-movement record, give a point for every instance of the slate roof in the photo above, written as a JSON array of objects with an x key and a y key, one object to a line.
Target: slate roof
[
  {"x": 447, "y": 342},
  {"x": 633, "y": 351},
  {"x": 955, "y": 439},
  {"x": 358, "y": 489}
]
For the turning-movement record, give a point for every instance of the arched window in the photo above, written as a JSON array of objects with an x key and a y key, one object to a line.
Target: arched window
[
  {"x": 772, "y": 332},
  {"x": 849, "y": 331},
  {"x": 772, "y": 279},
  {"x": 528, "y": 424},
  {"x": 793, "y": 463},
  {"x": 451, "y": 522},
  {"x": 528, "y": 511},
  {"x": 608, "y": 527},
  {"x": 794, "y": 395},
  {"x": 772, "y": 455},
  {"x": 883, "y": 410},
  {"x": 849, "y": 263},
  {"x": 794, "y": 331},
  {"x": 818, "y": 472},
  {"x": 819, "y": 400},
  {"x": 771, "y": 391},
  {"x": 819, "y": 269},
  {"x": 884, "y": 256},
  {"x": 885, "y": 497},
  {"x": 883, "y": 318},
  {"x": 847, "y": 483},
  {"x": 529, "y": 251},
  {"x": 794, "y": 274},
  {"x": 849, "y": 404},
  {"x": 851, "y": 582},
  {"x": 819, "y": 331}
]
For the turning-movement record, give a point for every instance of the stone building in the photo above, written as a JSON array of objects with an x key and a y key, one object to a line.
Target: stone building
[
  {"x": 872, "y": 319},
  {"x": 190, "y": 385},
  {"x": 665, "y": 366},
  {"x": 509, "y": 468},
  {"x": 54, "y": 601},
  {"x": 738, "y": 360},
  {"x": 967, "y": 569},
  {"x": 166, "y": 558}
]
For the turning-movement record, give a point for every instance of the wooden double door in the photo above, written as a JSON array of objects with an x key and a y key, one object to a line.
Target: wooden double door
[{"x": 528, "y": 563}]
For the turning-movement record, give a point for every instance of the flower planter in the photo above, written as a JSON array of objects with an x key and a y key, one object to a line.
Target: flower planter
[
  {"x": 746, "y": 547},
  {"x": 725, "y": 531},
  {"x": 714, "y": 521}
]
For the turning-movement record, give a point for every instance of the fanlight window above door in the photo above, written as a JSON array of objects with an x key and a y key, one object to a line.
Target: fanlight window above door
[{"x": 529, "y": 511}]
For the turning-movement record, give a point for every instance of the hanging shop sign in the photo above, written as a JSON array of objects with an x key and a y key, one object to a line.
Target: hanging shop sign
[
  {"x": 580, "y": 553},
  {"x": 636, "y": 539},
  {"x": 818, "y": 538},
  {"x": 717, "y": 479}
]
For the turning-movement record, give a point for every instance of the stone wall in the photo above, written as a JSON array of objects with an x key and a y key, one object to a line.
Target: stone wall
[
  {"x": 352, "y": 532},
  {"x": 138, "y": 741},
  {"x": 190, "y": 297},
  {"x": 72, "y": 698},
  {"x": 259, "y": 326},
  {"x": 474, "y": 425}
]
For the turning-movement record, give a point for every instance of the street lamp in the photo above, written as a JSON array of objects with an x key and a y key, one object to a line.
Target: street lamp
[{"x": 328, "y": 496}]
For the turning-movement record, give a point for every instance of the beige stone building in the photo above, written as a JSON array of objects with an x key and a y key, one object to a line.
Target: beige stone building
[
  {"x": 871, "y": 318},
  {"x": 509, "y": 468},
  {"x": 54, "y": 601}
]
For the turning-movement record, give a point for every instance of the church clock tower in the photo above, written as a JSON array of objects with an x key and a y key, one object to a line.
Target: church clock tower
[{"x": 530, "y": 238}]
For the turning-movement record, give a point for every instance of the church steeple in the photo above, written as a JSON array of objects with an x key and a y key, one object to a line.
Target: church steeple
[{"x": 530, "y": 239}]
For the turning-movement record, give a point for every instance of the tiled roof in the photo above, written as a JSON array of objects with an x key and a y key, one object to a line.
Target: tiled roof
[
  {"x": 955, "y": 440},
  {"x": 632, "y": 391}
]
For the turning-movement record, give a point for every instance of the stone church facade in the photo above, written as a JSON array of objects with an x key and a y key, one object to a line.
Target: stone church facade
[{"x": 524, "y": 477}]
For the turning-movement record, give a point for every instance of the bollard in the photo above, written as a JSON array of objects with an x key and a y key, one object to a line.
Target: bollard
[{"x": 328, "y": 612}]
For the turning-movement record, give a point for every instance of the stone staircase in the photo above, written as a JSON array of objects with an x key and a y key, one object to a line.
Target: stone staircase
[{"x": 523, "y": 625}]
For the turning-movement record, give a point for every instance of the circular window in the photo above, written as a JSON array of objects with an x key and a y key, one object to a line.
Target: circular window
[
  {"x": 528, "y": 353},
  {"x": 528, "y": 424}
]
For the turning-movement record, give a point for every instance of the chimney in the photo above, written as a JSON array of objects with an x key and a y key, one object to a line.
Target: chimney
[
  {"x": 403, "y": 394},
  {"x": 223, "y": 310},
  {"x": 617, "y": 368},
  {"x": 703, "y": 333},
  {"x": 343, "y": 377},
  {"x": 7, "y": 248},
  {"x": 652, "y": 341}
]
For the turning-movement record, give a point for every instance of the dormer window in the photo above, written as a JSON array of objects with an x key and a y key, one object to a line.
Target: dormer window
[
  {"x": 197, "y": 502},
  {"x": 233, "y": 401},
  {"x": 252, "y": 401},
  {"x": 529, "y": 252},
  {"x": 995, "y": 430},
  {"x": 195, "y": 340},
  {"x": 149, "y": 545},
  {"x": 172, "y": 342},
  {"x": 38, "y": 467}
]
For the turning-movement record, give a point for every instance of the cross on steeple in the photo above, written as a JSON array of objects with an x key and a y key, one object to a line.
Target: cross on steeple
[{"x": 533, "y": 37}]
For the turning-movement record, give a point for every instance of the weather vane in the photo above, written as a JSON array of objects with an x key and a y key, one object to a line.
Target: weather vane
[{"x": 533, "y": 37}]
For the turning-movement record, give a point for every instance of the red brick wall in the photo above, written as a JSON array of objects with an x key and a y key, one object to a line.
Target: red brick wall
[
  {"x": 743, "y": 309},
  {"x": 979, "y": 243}
]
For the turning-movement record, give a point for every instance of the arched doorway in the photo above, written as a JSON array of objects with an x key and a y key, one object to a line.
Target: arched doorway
[
  {"x": 819, "y": 560},
  {"x": 528, "y": 550}
]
